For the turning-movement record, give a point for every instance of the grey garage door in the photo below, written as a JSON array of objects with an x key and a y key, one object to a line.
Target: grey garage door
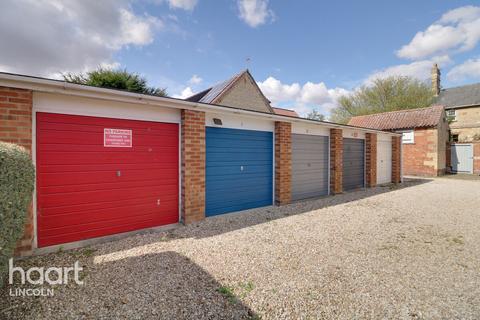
[
  {"x": 309, "y": 166},
  {"x": 462, "y": 158},
  {"x": 353, "y": 164}
]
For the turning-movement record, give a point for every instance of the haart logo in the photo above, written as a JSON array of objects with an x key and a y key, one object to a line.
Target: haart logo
[{"x": 40, "y": 276}]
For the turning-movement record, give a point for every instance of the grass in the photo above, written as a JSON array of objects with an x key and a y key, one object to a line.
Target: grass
[
  {"x": 85, "y": 252},
  {"x": 246, "y": 288},
  {"x": 458, "y": 240},
  {"x": 227, "y": 292},
  {"x": 88, "y": 252}
]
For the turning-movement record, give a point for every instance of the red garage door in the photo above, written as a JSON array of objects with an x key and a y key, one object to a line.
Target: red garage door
[{"x": 100, "y": 176}]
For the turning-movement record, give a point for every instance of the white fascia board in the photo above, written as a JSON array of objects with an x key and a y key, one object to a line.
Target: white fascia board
[{"x": 66, "y": 88}]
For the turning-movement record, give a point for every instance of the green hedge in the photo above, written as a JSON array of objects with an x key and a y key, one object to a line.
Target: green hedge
[{"x": 17, "y": 177}]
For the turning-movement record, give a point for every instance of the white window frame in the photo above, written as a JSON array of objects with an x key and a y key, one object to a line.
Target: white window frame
[{"x": 454, "y": 116}]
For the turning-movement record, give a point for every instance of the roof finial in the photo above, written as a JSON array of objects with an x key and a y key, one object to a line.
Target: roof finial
[{"x": 247, "y": 62}]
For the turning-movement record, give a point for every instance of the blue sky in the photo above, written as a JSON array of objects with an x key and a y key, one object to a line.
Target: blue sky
[{"x": 304, "y": 54}]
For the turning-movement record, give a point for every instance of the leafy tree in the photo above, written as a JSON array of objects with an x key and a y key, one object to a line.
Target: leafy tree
[
  {"x": 115, "y": 79},
  {"x": 387, "y": 94},
  {"x": 315, "y": 115}
]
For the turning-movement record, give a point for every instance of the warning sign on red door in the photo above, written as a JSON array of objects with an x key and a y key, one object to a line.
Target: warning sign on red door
[{"x": 117, "y": 138}]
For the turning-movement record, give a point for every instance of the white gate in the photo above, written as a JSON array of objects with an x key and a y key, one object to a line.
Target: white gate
[{"x": 462, "y": 158}]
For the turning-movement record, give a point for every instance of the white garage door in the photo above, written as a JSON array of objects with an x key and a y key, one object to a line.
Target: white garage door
[{"x": 384, "y": 162}]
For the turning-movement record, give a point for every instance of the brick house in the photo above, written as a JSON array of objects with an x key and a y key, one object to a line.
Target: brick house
[
  {"x": 240, "y": 91},
  {"x": 424, "y": 140},
  {"x": 462, "y": 105}
]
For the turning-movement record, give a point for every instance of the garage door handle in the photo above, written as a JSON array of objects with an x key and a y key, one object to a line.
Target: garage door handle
[
  {"x": 158, "y": 202},
  {"x": 241, "y": 168},
  {"x": 119, "y": 173}
]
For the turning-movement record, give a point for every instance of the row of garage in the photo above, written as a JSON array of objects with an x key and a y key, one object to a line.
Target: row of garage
[{"x": 100, "y": 175}]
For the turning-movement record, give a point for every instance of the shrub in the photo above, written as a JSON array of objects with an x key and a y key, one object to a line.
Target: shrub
[{"x": 17, "y": 177}]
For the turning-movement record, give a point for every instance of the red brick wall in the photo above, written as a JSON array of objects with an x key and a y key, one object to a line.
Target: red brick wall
[
  {"x": 421, "y": 157},
  {"x": 16, "y": 116},
  {"x": 283, "y": 163},
  {"x": 397, "y": 159},
  {"x": 371, "y": 159},
  {"x": 16, "y": 127},
  {"x": 336, "y": 161},
  {"x": 193, "y": 166},
  {"x": 476, "y": 158}
]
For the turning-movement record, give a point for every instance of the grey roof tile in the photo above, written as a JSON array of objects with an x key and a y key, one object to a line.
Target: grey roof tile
[
  {"x": 460, "y": 96},
  {"x": 209, "y": 95}
]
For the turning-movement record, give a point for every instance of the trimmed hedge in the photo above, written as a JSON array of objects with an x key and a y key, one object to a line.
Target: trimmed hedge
[{"x": 17, "y": 177}]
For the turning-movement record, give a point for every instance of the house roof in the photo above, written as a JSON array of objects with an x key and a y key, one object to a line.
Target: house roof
[
  {"x": 213, "y": 94},
  {"x": 285, "y": 112},
  {"x": 403, "y": 119},
  {"x": 463, "y": 96}
]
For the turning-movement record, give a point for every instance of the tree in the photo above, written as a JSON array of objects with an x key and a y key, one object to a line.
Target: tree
[
  {"x": 315, "y": 115},
  {"x": 115, "y": 79},
  {"x": 387, "y": 94}
]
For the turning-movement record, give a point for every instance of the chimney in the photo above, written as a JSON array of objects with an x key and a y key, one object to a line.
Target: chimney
[{"x": 435, "y": 80}]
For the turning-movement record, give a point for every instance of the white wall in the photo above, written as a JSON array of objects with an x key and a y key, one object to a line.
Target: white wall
[
  {"x": 56, "y": 103},
  {"x": 237, "y": 121},
  {"x": 384, "y": 137},
  {"x": 312, "y": 129},
  {"x": 353, "y": 133}
]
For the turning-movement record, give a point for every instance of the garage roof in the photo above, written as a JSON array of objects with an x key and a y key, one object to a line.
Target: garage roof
[
  {"x": 40, "y": 84},
  {"x": 403, "y": 119},
  {"x": 285, "y": 112}
]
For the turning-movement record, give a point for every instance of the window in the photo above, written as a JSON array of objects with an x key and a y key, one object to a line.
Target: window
[
  {"x": 452, "y": 115},
  {"x": 454, "y": 138},
  {"x": 408, "y": 137}
]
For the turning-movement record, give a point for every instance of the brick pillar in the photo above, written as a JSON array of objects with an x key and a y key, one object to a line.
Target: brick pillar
[
  {"x": 16, "y": 116},
  {"x": 476, "y": 158},
  {"x": 193, "y": 166},
  {"x": 336, "y": 161},
  {"x": 396, "y": 159},
  {"x": 16, "y": 127},
  {"x": 371, "y": 159},
  {"x": 283, "y": 163}
]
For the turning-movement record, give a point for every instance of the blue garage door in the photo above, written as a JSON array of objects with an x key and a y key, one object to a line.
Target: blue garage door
[{"x": 239, "y": 170}]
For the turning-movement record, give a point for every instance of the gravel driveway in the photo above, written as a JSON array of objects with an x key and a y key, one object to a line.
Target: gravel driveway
[{"x": 400, "y": 253}]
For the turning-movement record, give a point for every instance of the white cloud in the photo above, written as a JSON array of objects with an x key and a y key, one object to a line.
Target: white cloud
[
  {"x": 194, "y": 80},
  {"x": 187, "y": 92},
  {"x": 72, "y": 36},
  {"x": 457, "y": 30},
  {"x": 302, "y": 98},
  {"x": 255, "y": 12},
  {"x": 470, "y": 69},
  {"x": 183, "y": 4},
  {"x": 418, "y": 69},
  {"x": 276, "y": 91}
]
